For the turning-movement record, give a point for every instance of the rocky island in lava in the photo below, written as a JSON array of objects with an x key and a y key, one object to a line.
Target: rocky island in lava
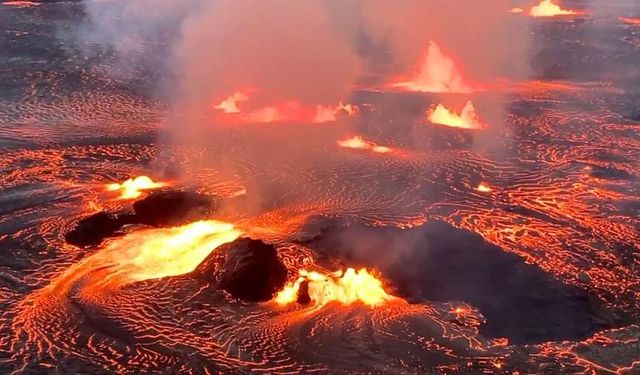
[{"x": 341, "y": 187}]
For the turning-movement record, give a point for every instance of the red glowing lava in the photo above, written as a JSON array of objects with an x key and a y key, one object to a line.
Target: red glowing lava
[
  {"x": 630, "y": 21},
  {"x": 20, "y": 4},
  {"x": 547, "y": 8},
  {"x": 134, "y": 187},
  {"x": 467, "y": 119},
  {"x": 288, "y": 111},
  {"x": 357, "y": 142},
  {"x": 438, "y": 73},
  {"x": 346, "y": 287}
]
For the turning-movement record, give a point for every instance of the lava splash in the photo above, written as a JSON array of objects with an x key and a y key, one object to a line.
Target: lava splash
[
  {"x": 438, "y": 73},
  {"x": 359, "y": 143},
  {"x": 547, "y": 8},
  {"x": 467, "y": 119},
  {"x": 134, "y": 187},
  {"x": 346, "y": 287}
]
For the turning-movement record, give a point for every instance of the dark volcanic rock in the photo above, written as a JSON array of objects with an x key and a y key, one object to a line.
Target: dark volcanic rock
[
  {"x": 172, "y": 208},
  {"x": 158, "y": 209},
  {"x": 437, "y": 262},
  {"x": 94, "y": 229},
  {"x": 303, "y": 296},
  {"x": 248, "y": 269}
]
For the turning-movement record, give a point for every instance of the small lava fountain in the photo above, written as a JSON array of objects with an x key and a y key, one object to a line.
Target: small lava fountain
[
  {"x": 345, "y": 287},
  {"x": 467, "y": 119},
  {"x": 438, "y": 73},
  {"x": 134, "y": 187}
]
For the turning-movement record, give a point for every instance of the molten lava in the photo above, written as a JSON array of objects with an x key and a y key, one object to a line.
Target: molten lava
[
  {"x": 346, "y": 288},
  {"x": 230, "y": 104},
  {"x": 484, "y": 188},
  {"x": 467, "y": 119},
  {"x": 438, "y": 73},
  {"x": 357, "y": 142},
  {"x": 630, "y": 21},
  {"x": 133, "y": 187},
  {"x": 286, "y": 111},
  {"x": 547, "y": 8},
  {"x": 149, "y": 254},
  {"x": 20, "y": 4}
]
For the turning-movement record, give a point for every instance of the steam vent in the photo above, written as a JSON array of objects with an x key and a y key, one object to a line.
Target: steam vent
[{"x": 332, "y": 187}]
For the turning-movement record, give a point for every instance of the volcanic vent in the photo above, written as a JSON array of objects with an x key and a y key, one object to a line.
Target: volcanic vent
[{"x": 445, "y": 186}]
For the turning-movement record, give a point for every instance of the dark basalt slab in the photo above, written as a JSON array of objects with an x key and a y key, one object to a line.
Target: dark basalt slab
[
  {"x": 91, "y": 231},
  {"x": 437, "y": 262},
  {"x": 247, "y": 269},
  {"x": 165, "y": 208}
]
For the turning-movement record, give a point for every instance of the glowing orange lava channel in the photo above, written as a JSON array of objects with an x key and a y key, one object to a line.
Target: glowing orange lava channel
[{"x": 148, "y": 254}]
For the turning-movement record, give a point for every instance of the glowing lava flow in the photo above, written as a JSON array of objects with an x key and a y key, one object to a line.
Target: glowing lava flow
[
  {"x": 467, "y": 119},
  {"x": 630, "y": 21},
  {"x": 133, "y": 187},
  {"x": 359, "y": 143},
  {"x": 346, "y": 288},
  {"x": 547, "y": 8},
  {"x": 20, "y": 4},
  {"x": 286, "y": 111},
  {"x": 438, "y": 73},
  {"x": 148, "y": 254}
]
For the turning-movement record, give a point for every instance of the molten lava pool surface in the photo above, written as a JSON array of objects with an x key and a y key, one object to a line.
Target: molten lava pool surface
[{"x": 495, "y": 242}]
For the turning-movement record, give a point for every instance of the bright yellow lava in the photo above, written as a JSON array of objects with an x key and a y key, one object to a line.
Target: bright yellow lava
[
  {"x": 547, "y": 8},
  {"x": 149, "y": 254},
  {"x": 467, "y": 119},
  {"x": 346, "y": 287},
  {"x": 133, "y": 187}
]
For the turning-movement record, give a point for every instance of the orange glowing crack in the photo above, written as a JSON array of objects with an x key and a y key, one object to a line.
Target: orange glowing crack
[
  {"x": 346, "y": 287},
  {"x": 467, "y": 119},
  {"x": 134, "y": 187},
  {"x": 438, "y": 73}
]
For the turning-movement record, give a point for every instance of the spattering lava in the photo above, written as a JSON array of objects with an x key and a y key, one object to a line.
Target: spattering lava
[
  {"x": 438, "y": 73},
  {"x": 232, "y": 109},
  {"x": 547, "y": 8},
  {"x": 134, "y": 187},
  {"x": 467, "y": 119},
  {"x": 359, "y": 143},
  {"x": 346, "y": 287}
]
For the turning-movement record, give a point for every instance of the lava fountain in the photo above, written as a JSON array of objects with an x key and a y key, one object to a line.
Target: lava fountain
[
  {"x": 438, "y": 73},
  {"x": 547, "y": 8},
  {"x": 467, "y": 119},
  {"x": 346, "y": 287},
  {"x": 133, "y": 187}
]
